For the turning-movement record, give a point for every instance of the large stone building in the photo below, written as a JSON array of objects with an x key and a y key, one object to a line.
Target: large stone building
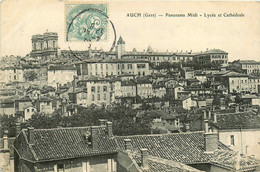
[
  {"x": 11, "y": 74},
  {"x": 60, "y": 75},
  {"x": 247, "y": 66},
  {"x": 238, "y": 82},
  {"x": 45, "y": 46},
  {"x": 95, "y": 90},
  {"x": 114, "y": 67}
]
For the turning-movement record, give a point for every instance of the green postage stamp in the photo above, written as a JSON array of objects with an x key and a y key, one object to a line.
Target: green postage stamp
[{"x": 86, "y": 22}]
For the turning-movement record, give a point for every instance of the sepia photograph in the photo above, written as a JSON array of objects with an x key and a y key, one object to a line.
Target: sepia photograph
[{"x": 129, "y": 86}]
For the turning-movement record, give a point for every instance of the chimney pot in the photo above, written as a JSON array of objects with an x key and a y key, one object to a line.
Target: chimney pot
[
  {"x": 102, "y": 121},
  {"x": 127, "y": 144},
  {"x": 206, "y": 126},
  {"x": 109, "y": 129},
  {"x": 205, "y": 114},
  {"x": 187, "y": 127},
  {"x": 209, "y": 115},
  {"x": 31, "y": 135},
  {"x": 215, "y": 118},
  {"x": 144, "y": 158},
  {"x": 5, "y": 138},
  {"x": 237, "y": 109},
  {"x": 94, "y": 136}
]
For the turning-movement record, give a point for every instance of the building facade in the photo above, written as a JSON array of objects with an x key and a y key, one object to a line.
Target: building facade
[{"x": 45, "y": 46}]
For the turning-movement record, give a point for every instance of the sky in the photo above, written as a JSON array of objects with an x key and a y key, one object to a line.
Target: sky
[{"x": 239, "y": 36}]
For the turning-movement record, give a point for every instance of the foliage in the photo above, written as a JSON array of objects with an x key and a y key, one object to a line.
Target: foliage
[
  {"x": 216, "y": 100},
  {"x": 30, "y": 76},
  {"x": 227, "y": 100},
  {"x": 123, "y": 118},
  {"x": 238, "y": 99},
  {"x": 7, "y": 124}
]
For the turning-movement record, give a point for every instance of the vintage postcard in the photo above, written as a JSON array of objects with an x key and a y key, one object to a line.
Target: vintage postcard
[{"x": 129, "y": 86}]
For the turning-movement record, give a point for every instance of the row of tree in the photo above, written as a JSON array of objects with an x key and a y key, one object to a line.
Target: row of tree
[{"x": 123, "y": 117}]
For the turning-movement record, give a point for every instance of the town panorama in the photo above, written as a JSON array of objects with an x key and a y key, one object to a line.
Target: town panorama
[{"x": 120, "y": 111}]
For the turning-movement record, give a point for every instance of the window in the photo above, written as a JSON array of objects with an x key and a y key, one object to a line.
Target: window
[
  {"x": 232, "y": 140},
  {"x": 92, "y": 89},
  {"x": 98, "y": 89},
  {"x": 32, "y": 110},
  {"x": 123, "y": 66},
  {"x": 93, "y": 97},
  {"x": 105, "y": 96},
  {"x": 48, "y": 103},
  {"x": 232, "y": 81},
  {"x": 28, "y": 110},
  {"x": 98, "y": 96},
  {"x": 105, "y": 88},
  {"x": 60, "y": 167}
]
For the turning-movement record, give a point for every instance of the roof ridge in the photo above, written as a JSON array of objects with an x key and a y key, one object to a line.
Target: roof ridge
[
  {"x": 150, "y": 135},
  {"x": 62, "y": 128}
]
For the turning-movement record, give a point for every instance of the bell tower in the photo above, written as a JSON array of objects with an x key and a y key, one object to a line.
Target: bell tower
[{"x": 120, "y": 48}]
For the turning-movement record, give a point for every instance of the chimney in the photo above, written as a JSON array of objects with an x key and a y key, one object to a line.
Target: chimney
[
  {"x": 210, "y": 142},
  {"x": 209, "y": 115},
  {"x": 237, "y": 109},
  {"x": 17, "y": 128},
  {"x": 109, "y": 129},
  {"x": 5, "y": 138},
  {"x": 31, "y": 135},
  {"x": 144, "y": 158},
  {"x": 210, "y": 139},
  {"x": 205, "y": 114},
  {"x": 94, "y": 136},
  {"x": 187, "y": 127},
  {"x": 215, "y": 118},
  {"x": 102, "y": 121},
  {"x": 128, "y": 144},
  {"x": 206, "y": 126}
]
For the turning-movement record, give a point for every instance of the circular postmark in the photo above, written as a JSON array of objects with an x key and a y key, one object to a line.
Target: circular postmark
[{"x": 88, "y": 25}]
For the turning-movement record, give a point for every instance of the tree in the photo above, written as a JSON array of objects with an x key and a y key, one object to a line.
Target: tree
[
  {"x": 216, "y": 101},
  {"x": 30, "y": 76},
  {"x": 8, "y": 124},
  {"x": 124, "y": 118},
  {"x": 238, "y": 99},
  {"x": 227, "y": 100}
]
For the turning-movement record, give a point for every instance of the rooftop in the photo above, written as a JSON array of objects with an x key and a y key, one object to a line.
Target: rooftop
[
  {"x": 241, "y": 120},
  {"x": 234, "y": 161},
  {"x": 187, "y": 148},
  {"x": 63, "y": 143}
]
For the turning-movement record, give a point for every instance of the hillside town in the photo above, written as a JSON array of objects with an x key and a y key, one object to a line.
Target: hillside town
[{"x": 128, "y": 111}]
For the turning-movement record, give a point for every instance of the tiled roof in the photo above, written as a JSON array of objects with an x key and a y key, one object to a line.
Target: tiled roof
[
  {"x": 161, "y": 165},
  {"x": 249, "y": 62},
  {"x": 215, "y": 51},
  {"x": 187, "y": 148},
  {"x": 242, "y": 120},
  {"x": 63, "y": 143},
  {"x": 62, "y": 67},
  {"x": 159, "y": 113},
  {"x": 128, "y": 83},
  {"x": 234, "y": 161},
  {"x": 234, "y": 74}
]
